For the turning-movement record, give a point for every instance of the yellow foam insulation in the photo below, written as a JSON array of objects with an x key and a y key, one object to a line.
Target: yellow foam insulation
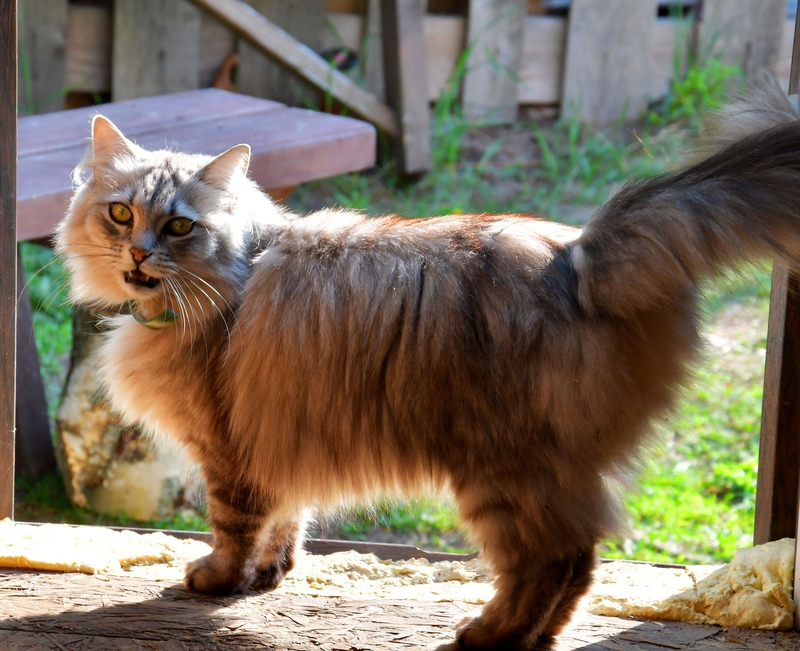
[
  {"x": 753, "y": 591},
  {"x": 90, "y": 550}
]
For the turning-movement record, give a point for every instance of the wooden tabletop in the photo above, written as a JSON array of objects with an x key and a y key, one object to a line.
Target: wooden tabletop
[{"x": 289, "y": 145}]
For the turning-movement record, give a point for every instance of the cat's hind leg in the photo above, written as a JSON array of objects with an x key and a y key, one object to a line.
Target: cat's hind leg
[
  {"x": 279, "y": 553},
  {"x": 578, "y": 585},
  {"x": 543, "y": 566},
  {"x": 239, "y": 514}
]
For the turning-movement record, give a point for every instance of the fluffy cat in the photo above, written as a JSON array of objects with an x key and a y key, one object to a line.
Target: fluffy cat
[{"x": 306, "y": 360}]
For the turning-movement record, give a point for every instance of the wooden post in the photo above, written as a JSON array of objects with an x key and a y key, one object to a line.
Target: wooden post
[
  {"x": 744, "y": 33},
  {"x": 8, "y": 248},
  {"x": 494, "y": 34},
  {"x": 42, "y": 50},
  {"x": 34, "y": 447},
  {"x": 156, "y": 48},
  {"x": 777, "y": 494},
  {"x": 407, "y": 81},
  {"x": 607, "y": 66},
  {"x": 261, "y": 77}
]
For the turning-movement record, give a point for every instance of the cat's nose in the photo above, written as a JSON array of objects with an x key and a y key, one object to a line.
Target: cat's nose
[{"x": 139, "y": 255}]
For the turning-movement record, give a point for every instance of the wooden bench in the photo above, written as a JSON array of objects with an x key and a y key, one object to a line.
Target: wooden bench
[{"x": 289, "y": 146}]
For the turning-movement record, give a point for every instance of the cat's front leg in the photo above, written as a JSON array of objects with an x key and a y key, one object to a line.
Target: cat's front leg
[{"x": 239, "y": 514}]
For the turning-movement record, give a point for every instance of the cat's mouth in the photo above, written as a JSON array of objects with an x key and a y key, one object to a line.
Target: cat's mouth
[{"x": 140, "y": 278}]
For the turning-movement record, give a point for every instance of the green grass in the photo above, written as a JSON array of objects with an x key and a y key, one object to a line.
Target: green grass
[{"x": 694, "y": 499}]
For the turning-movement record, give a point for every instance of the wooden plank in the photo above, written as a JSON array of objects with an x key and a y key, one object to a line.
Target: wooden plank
[
  {"x": 406, "y": 81},
  {"x": 372, "y": 53},
  {"x": 218, "y": 43},
  {"x": 259, "y": 75},
  {"x": 34, "y": 447},
  {"x": 290, "y": 146},
  {"x": 155, "y": 49},
  {"x": 276, "y": 43},
  {"x": 88, "y": 52},
  {"x": 445, "y": 39},
  {"x": 542, "y": 68},
  {"x": 606, "y": 77},
  {"x": 43, "y": 42},
  {"x": 746, "y": 33},
  {"x": 8, "y": 249},
  {"x": 494, "y": 35}
]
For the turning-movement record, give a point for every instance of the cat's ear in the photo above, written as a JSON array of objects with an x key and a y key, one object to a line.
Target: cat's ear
[
  {"x": 108, "y": 141},
  {"x": 224, "y": 167}
]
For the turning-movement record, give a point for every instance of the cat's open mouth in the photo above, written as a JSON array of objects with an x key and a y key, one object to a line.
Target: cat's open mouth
[{"x": 140, "y": 278}]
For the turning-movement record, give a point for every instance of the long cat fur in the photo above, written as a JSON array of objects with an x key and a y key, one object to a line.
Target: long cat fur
[{"x": 333, "y": 356}]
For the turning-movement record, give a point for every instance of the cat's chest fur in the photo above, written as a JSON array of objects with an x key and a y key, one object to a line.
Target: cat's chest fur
[{"x": 151, "y": 377}]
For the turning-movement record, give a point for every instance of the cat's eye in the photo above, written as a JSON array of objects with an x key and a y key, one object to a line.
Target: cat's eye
[
  {"x": 120, "y": 213},
  {"x": 179, "y": 226}
]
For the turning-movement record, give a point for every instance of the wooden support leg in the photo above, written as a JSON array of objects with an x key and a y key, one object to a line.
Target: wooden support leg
[
  {"x": 779, "y": 455},
  {"x": 8, "y": 248},
  {"x": 34, "y": 447},
  {"x": 407, "y": 81}
]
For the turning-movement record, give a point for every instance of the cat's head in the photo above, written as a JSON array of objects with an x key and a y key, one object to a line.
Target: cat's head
[{"x": 160, "y": 228}]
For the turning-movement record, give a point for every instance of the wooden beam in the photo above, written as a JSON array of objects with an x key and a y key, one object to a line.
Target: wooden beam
[
  {"x": 42, "y": 46},
  {"x": 495, "y": 31},
  {"x": 607, "y": 67},
  {"x": 277, "y": 44},
  {"x": 407, "y": 82},
  {"x": 8, "y": 249},
  {"x": 259, "y": 75},
  {"x": 34, "y": 446},
  {"x": 156, "y": 48}
]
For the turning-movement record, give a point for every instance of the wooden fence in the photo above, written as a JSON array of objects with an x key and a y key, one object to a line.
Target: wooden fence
[{"x": 602, "y": 59}]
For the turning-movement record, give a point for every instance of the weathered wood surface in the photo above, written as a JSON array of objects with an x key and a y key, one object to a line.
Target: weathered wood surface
[
  {"x": 276, "y": 43},
  {"x": 290, "y": 146},
  {"x": 88, "y": 53},
  {"x": 8, "y": 248},
  {"x": 745, "y": 33},
  {"x": 155, "y": 48},
  {"x": 406, "y": 81},
  {"x": 262, "y": 77},
  {"x": 494, "y": 36},
  {"x": 74, "y": 611},
  {"x": 43, "y": 43},
  {"x": 607, "y": 67},
  {"x": 34, "y": 447}
]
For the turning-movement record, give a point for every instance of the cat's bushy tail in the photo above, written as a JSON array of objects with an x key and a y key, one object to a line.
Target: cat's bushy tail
[{"x": 657, "y": 237}]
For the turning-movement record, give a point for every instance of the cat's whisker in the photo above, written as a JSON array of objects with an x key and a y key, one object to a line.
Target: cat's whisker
[
  {"x": 202, "y": 311},
  {"x": 211, "y": 300},
  {"x": 187, "y": 307},
  {"x": 211, "y": 287}
]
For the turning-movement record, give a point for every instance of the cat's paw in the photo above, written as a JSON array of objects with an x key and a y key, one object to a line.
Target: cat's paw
[
  {"x": 211, "y": 575},
  {"x": 475, "y": 634},
  {"x": 270, "y": 577}
]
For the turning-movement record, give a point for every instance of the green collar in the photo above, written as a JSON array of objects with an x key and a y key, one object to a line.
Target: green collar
[{"x": 158, "y": 322}]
